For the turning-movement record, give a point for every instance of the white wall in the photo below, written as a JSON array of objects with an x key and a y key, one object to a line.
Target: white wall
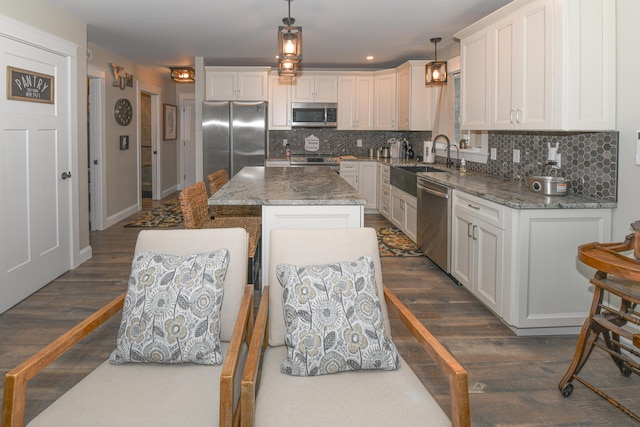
[{"x": 628, "y": 117}]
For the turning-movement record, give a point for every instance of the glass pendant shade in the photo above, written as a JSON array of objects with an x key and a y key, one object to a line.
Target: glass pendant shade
[
  {"x": 287, "y": 68},
  {"x": 436, "y": 71},
  {"x": 289, "y": 42}
]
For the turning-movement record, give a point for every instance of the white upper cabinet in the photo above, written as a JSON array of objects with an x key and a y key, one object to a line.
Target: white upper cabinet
[
  {"x": 315, "y": 87},
  {"x": 475, "y": 80},
  {"x": 236, "y": 83},
  {"x": 540, "y": 64},
  {"x": 385, "y": 102},
  {"x": 280, "y": 102},
  {"x": 355, "y": 102},
  {"x": 416, "y": 101}
]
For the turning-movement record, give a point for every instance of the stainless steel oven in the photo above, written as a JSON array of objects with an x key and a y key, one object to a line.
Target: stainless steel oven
[
  {"x": 434, "y": 222},
  {"x": 314, "y": 114},
  {"x": 316, "y": 160}
]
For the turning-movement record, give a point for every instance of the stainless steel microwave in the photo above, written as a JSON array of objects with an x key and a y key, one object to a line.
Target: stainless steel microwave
[{"x": 314, "y": 114}]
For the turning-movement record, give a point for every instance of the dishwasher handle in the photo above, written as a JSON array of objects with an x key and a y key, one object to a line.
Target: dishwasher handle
[{"x": 434, "y": 192}]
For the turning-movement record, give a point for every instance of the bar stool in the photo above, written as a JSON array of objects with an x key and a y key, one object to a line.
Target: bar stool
[{"x": 619, "y": 275}]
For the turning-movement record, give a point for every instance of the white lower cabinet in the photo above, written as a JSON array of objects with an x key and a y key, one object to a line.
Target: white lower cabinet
[
  {"x": 384, "y": 189},
  {"x": 522, "y": 263},
  {"x": 478, "y": 256},
  {"x": 404, "y": 212},
  {"x": 363, "y": 176}
]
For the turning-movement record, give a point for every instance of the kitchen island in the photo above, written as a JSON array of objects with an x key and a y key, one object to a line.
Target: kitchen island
[{"x": 293, "y": 197}]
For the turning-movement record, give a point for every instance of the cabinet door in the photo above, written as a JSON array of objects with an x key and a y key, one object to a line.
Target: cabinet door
[
  {"x": 326, "y": 88},
  {"x": 404, "y": 98},
  {"x": 396, "y": 208},
  {"x": 367, "y": 172},
  {"x": 503, "y": 102},
  {"x": 534, "y": 69},
  {"x": 474, "y": 81},
  {"x": 487, "y": 272},
  {"x": 461, "y": 249},
  {"x": 221, "y": 85},
  {"x": 279, "y": 103},
  {"x": 351, "y": 178},
  {"x": 385, "y": 101},
  {"x": 251, "y": 86},
  {"x": 411, "y": 217},
  {"x": 346, "y": 102},
  {"x": 364, "y": 102},
  {"x": 303, "y": 89}
]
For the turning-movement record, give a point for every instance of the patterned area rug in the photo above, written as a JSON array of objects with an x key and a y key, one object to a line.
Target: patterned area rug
[
  {"x": 167, "y": 214},
  {"x": 393, "y": 242}
]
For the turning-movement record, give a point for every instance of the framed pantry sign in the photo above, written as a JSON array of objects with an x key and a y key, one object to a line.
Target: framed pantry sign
[{"x": 24, "y": 85}]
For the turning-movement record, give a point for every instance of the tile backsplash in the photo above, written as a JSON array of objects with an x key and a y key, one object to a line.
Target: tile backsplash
[{"x": 588, "y": 159}]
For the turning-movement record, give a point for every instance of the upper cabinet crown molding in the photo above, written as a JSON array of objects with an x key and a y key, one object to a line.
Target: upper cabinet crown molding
[
  {"x": 540, "y": 64},
  {"x": 236, "y": 83}
]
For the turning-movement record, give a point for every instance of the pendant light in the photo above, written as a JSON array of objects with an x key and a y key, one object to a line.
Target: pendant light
[
  {"x": 436, "y": 71},
  {"x": 289, "y": 46}
]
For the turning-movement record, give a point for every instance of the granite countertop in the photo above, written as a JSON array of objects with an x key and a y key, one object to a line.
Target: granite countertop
[
  {"x": 258, "y": 185},
  {"x": 508, "y": 192}
]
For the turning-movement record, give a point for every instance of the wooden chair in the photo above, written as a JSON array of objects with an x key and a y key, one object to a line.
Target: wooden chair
[
  {"x": 136, "y": 394},
  {"x": 356, "y": 398},
  {"x": 617, "y": 275},
  {"x": 216, "y": 180},
  {"x": 196, "y": 214}
]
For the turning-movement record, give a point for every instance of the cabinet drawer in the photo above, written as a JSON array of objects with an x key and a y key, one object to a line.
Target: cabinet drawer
[
  {"x": 385, "y": 171},
  {"x": 348, "y": 166},
  {"x": 491, "y": 213}
]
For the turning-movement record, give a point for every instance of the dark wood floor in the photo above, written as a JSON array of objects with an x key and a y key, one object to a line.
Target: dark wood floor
[{"x": 513, "y": 380}]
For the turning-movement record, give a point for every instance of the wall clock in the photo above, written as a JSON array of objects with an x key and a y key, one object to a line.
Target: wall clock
[{"x": 123, "y": 111}]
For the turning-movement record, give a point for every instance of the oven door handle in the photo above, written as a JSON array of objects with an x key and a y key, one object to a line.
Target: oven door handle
[{"x": 434, "y": 192}]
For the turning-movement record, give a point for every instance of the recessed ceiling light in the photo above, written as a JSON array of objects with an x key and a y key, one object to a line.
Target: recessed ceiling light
[{"x": 369, "y": 58}]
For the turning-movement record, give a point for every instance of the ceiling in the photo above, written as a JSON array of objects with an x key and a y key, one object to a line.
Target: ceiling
[{"x": 336, "y": 33}]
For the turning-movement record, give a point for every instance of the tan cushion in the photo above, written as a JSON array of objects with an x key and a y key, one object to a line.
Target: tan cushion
[
  {"x": 317, "y": 246},
  {"x": 359, "y": 398},
  {"x": 141, "y": 395},
  {"x": 184, "y": 242}
]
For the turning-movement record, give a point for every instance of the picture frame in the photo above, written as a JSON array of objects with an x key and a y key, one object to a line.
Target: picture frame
[
  {"x": 25, "y": 85},
  {"x": 170, "y": 122},
  {"x": 124, "y": 142}
]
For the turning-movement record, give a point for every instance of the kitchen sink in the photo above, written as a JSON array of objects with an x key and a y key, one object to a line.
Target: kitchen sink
[{"x": 405, "y": 178}]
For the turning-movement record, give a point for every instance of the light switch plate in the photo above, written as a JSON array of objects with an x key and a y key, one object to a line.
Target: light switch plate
[
  {"x": 494, "y": 153},
  {"x": 516, "y": 156},
  {"x": 359, "y": 142},
  {"x": 285, "y": 142}
]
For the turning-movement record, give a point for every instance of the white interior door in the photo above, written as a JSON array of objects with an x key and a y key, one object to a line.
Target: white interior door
[{"x": 35, "y": 151}]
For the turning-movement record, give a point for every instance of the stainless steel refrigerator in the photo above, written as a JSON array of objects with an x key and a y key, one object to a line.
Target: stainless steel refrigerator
[{"x": 234, "y": 135}]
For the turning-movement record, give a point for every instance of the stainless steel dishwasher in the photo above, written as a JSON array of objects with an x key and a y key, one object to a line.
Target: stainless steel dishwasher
[{"x": 434, "y": 222}]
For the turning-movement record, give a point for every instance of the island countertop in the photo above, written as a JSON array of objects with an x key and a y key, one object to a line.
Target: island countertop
[{"x": 258, "y": 185}]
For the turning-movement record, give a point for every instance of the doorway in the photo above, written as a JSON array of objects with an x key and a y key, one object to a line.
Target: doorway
[
  {"x": 149, "y": 118},
  {"x": 96, "y": 135},
  {"x": 146, "y": 147}
]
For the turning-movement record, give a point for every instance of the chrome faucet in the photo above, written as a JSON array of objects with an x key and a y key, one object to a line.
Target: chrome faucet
[{"x": 449, "y": 162}]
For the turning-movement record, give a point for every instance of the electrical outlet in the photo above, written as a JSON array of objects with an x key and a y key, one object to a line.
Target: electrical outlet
[
  {"x": 359, "y": 142},
  {"x": 285, "y": 142},
  {"x": 494, "y": 153},
  {"x": 516, "y": 156}
]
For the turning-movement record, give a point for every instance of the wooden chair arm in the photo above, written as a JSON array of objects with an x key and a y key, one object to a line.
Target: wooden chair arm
[
  {"x": 252, "y": 367},
  {"x": 242, "y": 331},
  {"x": 15, "y": 383},
  {"x": 457, "y": 375}
]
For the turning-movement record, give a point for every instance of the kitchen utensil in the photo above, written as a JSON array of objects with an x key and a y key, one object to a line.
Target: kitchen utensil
[
  {"x": 372, "y": 153},
  {"x": 385, "y": 153},
  {"x": 410, "y": 152},
  {"x": 548, "y": 185}
]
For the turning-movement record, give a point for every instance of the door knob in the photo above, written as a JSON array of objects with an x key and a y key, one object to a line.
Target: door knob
[{"x": 66, "y": 175}]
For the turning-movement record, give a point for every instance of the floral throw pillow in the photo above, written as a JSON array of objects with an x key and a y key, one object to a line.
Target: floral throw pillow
[
  {"x": 333, "y": 319},
  {"x": 171, "y": 310}
]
